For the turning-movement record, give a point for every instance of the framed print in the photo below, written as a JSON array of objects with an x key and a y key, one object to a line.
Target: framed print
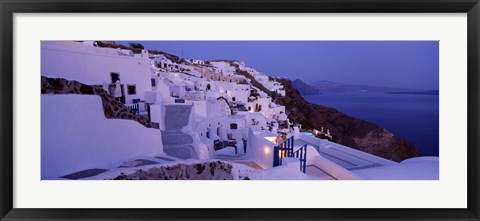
[{"x": 239, "y": 110}]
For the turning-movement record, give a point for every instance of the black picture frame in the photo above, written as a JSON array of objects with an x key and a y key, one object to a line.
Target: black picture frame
[{"x": 9, "y": 7}]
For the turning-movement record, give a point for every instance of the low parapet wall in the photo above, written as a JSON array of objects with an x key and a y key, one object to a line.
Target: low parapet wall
[
  {"x": 76, "y": 136},
  {"x": 333, "y": 169}
]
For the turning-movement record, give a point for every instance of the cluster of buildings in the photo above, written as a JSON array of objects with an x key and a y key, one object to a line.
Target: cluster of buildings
[{"x": 229, "y": 118}]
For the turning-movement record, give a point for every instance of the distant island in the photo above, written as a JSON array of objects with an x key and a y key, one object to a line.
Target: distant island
[
  {"x": 325, "y": 86},
  {"x": 431, "y": 92}
]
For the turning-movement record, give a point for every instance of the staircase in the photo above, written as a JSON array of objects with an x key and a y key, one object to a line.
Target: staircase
[{"x": 175, "y": 142}]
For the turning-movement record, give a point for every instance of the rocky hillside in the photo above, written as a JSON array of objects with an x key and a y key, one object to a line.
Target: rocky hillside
[
  {"x": 345, "y": 130},
  {"x": 304, "y": 88},
  {"x": 210, "y": 170}
]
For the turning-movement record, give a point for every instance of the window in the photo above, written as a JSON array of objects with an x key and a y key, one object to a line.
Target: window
[
  {"x": 249, "y": 108},
  {"x": 233, "y": 126},
  {"x": 153, "y": 82},
  {"x": 233, "y": 98},
  {"x": 115, "y": 77},
  {"x": 132, "y": 89}
]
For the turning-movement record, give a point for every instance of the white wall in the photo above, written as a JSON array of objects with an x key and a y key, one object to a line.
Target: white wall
[
  {"x": 333, "y": 169},
  {"x": 163, "y": 92},
  {"x": 240, "y": 95},
  {"x": 259, "y": 149},
  {"x": 157, "y": 113},
  {"x": 195, "y": 95},
  {"x": 75, "y": 135},
  {"x": 200, "y": 110},
  {"x": 241, "y": 92},
  {"x": 345, "y": 149},
  {"x": 203, "y": 150},
  {"x": 251, "y": 105},
  {"x": 93, "y": 65},
  {"x": 262, "y": 121},
  {"x": 238, "y": 133},
  {"x": 217, "y": 108},
  {"x": 264, "y": 102}
]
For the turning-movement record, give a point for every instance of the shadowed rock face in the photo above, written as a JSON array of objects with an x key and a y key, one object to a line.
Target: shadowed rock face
[
  {"x": 304, "y": 88},
  {"x": 212, "y": 170},
  {"x": 346, "y": 130}
]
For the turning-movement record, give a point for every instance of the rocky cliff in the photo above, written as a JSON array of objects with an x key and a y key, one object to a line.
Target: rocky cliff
[{"x": 345, "y": 130}]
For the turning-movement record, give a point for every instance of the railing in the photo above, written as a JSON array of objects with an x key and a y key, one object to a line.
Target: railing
[
  {"x": 301, "y": 154},
  {"x": 147, "y": 108},
  {"x": 286, "y": 150},
  {"x": 133, "y": 108}
]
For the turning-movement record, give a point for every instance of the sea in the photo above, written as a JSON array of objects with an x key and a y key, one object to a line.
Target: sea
[{"x": 413, "y": 117}]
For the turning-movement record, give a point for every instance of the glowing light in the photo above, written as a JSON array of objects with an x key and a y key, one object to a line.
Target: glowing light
[
  {"x": 272, "y": 139},
  {"x": 266, "y": 150}
]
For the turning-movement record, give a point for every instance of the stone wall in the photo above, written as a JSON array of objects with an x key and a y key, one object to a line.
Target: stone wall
[
  {"x": 112, "y": 108},
  {"x": 210, "y": 170}
]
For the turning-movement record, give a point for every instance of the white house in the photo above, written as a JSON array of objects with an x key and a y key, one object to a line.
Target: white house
[
  {"x": 198, "y": 62},
  {"x": 97, "y": 66}
]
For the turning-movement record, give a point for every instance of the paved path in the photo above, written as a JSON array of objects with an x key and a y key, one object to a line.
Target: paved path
[
  {"x": 239, "y": 158},
  {"x": 341, "y": 158},
  {"x": 317, "y": 172},
  {"x": 127, "y": 164},
  {"x": 175, "y": 142}
]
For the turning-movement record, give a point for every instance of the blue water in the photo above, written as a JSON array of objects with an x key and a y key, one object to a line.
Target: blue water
[
  {"x": 409, "y": 116},
  {"x": 307, "y": 133}
]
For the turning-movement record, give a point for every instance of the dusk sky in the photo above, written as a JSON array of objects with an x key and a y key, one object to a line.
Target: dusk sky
[{"x": 405, "y": 64}]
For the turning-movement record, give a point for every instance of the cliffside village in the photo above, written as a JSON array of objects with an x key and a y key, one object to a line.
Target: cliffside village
[{"x": 205, "y": 111}]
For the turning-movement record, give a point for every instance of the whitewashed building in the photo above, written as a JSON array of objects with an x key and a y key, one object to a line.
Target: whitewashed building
[
  {"x": 200, "y": 62},
  {"x": 97, "y": 66}
]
